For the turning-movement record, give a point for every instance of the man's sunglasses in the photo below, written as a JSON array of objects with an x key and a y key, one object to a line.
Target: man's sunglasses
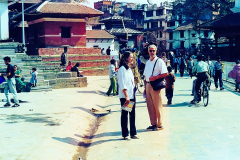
[{"x": 152, "y": 50}]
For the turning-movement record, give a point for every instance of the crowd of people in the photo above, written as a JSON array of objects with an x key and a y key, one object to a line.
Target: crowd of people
[{"x": 154, "y": 69}]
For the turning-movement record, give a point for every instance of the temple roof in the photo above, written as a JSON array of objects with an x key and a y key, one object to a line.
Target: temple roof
[
  {"x": 99, "y": 34},
  {"x": 56, "y": 9},
  {"x": 228, "y": 21},
  {"x": 119, "y": 31}
]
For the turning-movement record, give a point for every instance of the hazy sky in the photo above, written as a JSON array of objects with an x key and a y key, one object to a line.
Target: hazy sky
[{"x": 91, "y": 2}]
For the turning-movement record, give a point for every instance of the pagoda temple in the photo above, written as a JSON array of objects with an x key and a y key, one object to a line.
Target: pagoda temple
[{"x": 53, "y": 24}]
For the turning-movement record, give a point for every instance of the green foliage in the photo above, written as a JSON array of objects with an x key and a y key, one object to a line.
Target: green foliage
[{"x": 202, "y": 9}]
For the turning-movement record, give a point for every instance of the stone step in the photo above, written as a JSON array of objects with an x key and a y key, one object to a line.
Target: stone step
[
  {"x": 59, "y": 51},
  {"x": 77, "y": 58},
  {"x": 95, "y": 71},
  {"x": 9, "y": 45},
  {"x": 89, "y": 64},
  {"x": 41, "y": 88}
]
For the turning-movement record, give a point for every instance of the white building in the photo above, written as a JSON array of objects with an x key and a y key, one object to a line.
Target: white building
[
  {"x": 100, "y": 39},
  {"x": 4, "y": 24}
]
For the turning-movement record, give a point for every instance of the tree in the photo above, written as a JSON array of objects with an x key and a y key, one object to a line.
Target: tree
[{"x": 204, "y": 10}]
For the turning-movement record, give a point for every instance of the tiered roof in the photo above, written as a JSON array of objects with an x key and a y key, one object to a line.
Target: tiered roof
[{"x": 55, "y": 10}]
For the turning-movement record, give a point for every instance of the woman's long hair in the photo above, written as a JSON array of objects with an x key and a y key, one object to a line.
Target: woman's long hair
[{"x": 124, "y": 60}]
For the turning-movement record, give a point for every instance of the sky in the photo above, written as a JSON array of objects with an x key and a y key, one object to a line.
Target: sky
[{"x": 91, "y": 2}]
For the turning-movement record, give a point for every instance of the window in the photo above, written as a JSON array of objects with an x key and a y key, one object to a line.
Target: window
[
  {"x": 170, "y": 45},
  {"x": 160, "y": 34},
  {"x": 193, "y": 35},
  {"x": 182, "y": 44},
  {"x": 154, "y": 24},
  {"x": 149, "y": 13},
  {"x": 181, "y": 34},
  {"x": 159, "y": 12},
  {"x": 171, "y": 24},
  {"x": 148, "y": 25},
  {"x": 161, "y": 23},
  {"x": 66, "y": 32},
  {"x": 170, "y": 35},
  {"x": 205, "y": 34},
  {"x": 96, "y": 46},
  {"x": 193, "y": 45}
]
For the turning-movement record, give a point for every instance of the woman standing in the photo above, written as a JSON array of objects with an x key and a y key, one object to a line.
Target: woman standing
[
  {"x": 155, "y": 69},
  {"x": 19, "y": 84},
  {"x": 126, "y": 94}
]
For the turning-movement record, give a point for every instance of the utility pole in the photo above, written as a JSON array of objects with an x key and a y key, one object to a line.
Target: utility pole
[{"x": 23, "y": 32}]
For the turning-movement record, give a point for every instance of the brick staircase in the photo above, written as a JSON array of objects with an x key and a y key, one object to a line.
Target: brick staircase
[
  {"x": 92, "y": 62},
  {"x": 9, "y": 49}
]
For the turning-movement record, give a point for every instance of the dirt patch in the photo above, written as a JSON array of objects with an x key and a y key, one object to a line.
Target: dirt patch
[{"x": 87, "y": 139}]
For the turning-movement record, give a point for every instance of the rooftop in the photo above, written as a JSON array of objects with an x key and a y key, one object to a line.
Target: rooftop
[
  {"x": 118, "y": 31},
  {"x": 57, "y": 8},
  {"x": 231, "y": 20},
  {"x": 99, "y": 34},
  {"x": 115, "y": 18}
]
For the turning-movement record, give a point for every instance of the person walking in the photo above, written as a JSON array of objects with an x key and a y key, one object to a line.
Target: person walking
[
  {"x": 190, "y": 65},
  {"x": 175, "y": 63},
  {"x": 182, "y": 66},
  {"x": 112, "y": 72},
  {"x": 235, "y": 74},
  {"x": 126, "y": 94},
  {"x": 218, "y": 66},
  {"x": 10, "y": 85},
  {"x": 153, "y": 97},
  {"x": 170, "y": 79}
]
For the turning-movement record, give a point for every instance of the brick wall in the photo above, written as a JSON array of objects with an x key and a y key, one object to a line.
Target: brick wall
[
  {"x": 59, "y": 51},
  {"x": 87, "y": 64},
  {"x": 76, "y": 58}
]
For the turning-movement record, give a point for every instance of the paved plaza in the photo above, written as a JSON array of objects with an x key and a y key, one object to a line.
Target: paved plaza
[{"x": 59, "y": 125}]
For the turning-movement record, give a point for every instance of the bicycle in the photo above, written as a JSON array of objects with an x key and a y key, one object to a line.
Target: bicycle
[
  {"x": 205, "y": 93},
  {"x": 140, "y": 86}
]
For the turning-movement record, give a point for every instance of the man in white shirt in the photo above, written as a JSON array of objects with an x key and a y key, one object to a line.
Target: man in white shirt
[{"x": 154, "y": 100}]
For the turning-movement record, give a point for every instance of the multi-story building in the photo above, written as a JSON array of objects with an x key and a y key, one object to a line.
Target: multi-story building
[
  {"x": 172, "y": 32},
  {"x": 105, "y": 6},
  {"x": 156, "y": 25}
]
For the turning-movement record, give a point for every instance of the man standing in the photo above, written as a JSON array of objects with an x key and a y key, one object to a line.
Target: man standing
[
  {"x": 10, "y": 86},
  {"x": 108, "y": 51},
  {"x": 153, "y": 97},
  {"x": 218, "y": 66}
]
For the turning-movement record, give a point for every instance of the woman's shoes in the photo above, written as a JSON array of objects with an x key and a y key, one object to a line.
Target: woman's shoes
[
  {"x": 134, "y": 137},
  {"x": 126, "y": 138}
]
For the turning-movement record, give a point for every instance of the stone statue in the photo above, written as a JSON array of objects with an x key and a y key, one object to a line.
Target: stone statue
[{"x": 64, "y": 57}]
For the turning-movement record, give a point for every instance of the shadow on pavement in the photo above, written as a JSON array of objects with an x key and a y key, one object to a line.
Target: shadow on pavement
[
  {"x": 67, "y": 140},
  {"x": 184, "y": 104},
  {"x": 33, "y": 118},
  {"x": 84, "y": 109},
  {"x": 182, "y": 95}
]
